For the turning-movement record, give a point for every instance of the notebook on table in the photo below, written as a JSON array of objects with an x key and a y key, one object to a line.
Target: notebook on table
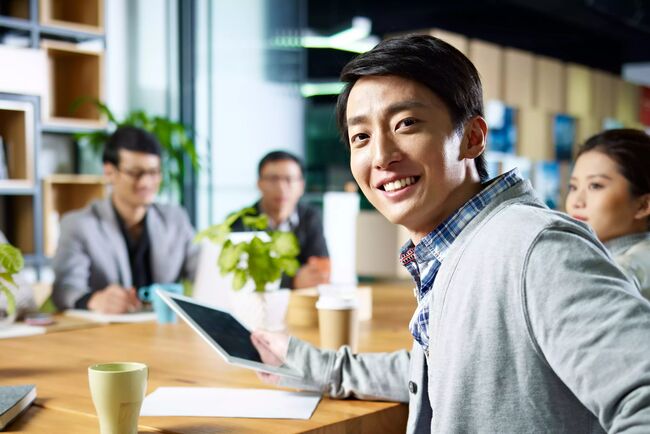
[{"x": 14, "y": 400}]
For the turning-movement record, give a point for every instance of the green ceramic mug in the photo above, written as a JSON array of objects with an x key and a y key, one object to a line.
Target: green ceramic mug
[{"x": 117, "y": 390}]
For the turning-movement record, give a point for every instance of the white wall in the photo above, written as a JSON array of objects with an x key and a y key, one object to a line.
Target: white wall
[
  {"x": 116, "y": 60},
  {"x": 141, "y": 66},
  {"x": 244, "y": 115}
]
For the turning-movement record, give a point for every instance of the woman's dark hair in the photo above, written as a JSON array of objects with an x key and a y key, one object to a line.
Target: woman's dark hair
[
  {"x": 132, "y": 139},
  {"x": 429, "y": 61},
  {"x": 630, "y": 149}
]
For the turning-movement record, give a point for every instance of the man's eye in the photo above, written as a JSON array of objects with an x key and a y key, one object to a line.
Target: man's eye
[
  {"x": 406, "y": 122},
  {"x": 358, "y": 138}
]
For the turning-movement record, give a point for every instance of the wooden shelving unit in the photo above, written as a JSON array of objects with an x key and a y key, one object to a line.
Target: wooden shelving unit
[
  {"x": 64, "y": 193},
  {"x": 37, "y": 95},
  {"x": 82, "y": 15},
  {"x": 15, "y": 9},
  {"x": 17, "y": 214},
  {"x": 17, "y": 135},
  {"x": 74, "y": 74}
]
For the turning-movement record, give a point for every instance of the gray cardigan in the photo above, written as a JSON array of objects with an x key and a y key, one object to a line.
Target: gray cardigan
[
  {"x": 92, "y": 253},
  {"x": 533, "y": 329}
]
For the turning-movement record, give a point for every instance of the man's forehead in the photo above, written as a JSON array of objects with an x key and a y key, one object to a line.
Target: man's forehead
[
  {"x": 281, "y": 166},
  {"x": 393, "y": 94},
  {"x": 136, "y": 157}
]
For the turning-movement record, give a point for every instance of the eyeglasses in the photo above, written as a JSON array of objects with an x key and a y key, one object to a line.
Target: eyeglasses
[
  {"x": 285, "y": 179},
  {"x": 137, "y": 175}
]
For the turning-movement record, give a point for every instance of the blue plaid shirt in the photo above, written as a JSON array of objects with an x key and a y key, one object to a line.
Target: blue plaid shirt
[{"x": 424, "y": 260}]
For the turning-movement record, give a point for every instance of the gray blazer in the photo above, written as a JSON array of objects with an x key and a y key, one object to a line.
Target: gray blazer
[{"x": 92, "y": 253}]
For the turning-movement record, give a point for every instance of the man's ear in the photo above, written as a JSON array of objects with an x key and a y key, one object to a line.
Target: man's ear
[
  {"x": 643, "y": 212},
  {"x": 474, "y": 142},
  {"x": 109, "y": 172}
]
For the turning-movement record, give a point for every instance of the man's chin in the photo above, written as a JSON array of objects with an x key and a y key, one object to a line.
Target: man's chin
[{"x": 144, "y": 201}]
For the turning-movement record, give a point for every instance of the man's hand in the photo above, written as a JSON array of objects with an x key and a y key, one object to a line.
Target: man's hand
[
  {"x": 114, "y": 299},
  {"x": 313, "y": 273},
  {"x": 273, "y": 349}
]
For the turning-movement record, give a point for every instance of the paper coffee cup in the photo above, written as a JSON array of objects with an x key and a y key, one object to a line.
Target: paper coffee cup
[{"x": 338, "y": 322}]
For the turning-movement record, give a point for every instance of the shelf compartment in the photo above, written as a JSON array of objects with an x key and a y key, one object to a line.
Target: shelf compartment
[
  {"x": 17, "y": 133},
  {"x": 17, "y": 222},
  {"x": 15, "y": 9},
  {"x": 64, "y": 193},
  {"x": 74, "y": 73},
  {"x": 80, "y": 15}
]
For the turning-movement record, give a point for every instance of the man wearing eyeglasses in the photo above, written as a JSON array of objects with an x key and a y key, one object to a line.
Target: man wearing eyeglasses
[
  {"x": 281, "y": 183},
  {"x": 116, "y": 245}
]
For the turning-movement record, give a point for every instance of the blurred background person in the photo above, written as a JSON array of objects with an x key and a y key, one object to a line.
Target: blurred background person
[
  {"x": 610, "y": 190},
  {"x": 116, "y": 245},
  {"x": 281, "y": 184}
]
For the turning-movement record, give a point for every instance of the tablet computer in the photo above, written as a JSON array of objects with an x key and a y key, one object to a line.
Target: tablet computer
[{"x": 223, "y": 332}]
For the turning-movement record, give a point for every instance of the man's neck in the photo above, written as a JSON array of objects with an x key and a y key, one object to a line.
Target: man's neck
[
  {"x": 276, "y": 218},
  {"x": 130, "y": 215},
  {"x": 465, "y": 192}
]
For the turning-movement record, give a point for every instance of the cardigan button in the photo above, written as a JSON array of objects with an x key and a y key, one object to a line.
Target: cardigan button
[{"x": 413, "y": 388}]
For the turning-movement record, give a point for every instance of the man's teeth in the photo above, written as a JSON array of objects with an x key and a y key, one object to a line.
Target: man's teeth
[{"x": 399, "y": 184}]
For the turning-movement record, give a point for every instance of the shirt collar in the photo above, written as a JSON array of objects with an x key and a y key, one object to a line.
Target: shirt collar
[
  {"x": 286, "y": 226},
  {"x": 435, "y": 245}
]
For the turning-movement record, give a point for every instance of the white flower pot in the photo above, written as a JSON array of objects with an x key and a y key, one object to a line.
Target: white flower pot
[{"x": 261, "y": 310}]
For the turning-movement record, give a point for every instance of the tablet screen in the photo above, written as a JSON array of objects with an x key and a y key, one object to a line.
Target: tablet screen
[{"x": 223, "y": 328}]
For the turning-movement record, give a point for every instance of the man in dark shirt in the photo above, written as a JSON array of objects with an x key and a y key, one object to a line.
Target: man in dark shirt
[
  {"x": 116, "y": 245},
  {"x": 281, "y": 183}
]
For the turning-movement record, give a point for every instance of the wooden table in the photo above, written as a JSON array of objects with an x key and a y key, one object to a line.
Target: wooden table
[{"x": 57, "y": 363}]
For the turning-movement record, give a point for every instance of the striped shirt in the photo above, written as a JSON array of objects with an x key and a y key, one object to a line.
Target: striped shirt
[{"x": 424, "y": 260}]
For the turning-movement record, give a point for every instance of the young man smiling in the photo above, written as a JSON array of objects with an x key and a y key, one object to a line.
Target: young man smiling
[
  {"x": 116, "y": 245},
  {"x": 523, "y": 322}
]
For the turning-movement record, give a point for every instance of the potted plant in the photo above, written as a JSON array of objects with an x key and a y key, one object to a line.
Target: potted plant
[
  {"x": 258, "y": 262},
  {"x": 11, "y": 262},
  {"x": 174, "y": 137}
]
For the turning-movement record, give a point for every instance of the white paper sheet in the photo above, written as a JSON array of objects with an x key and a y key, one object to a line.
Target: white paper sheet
[
  {"x": 17, "y": 330},
  {"x": 112, "y": 318},
  {"x": 219, "y": 402}
]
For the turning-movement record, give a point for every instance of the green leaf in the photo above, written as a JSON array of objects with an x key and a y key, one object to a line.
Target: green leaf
[
  {"x": 239, "y": 279},
  {"x": 285, "y": 244},
  {"x": 289, "y": 266},
  {"x": 217, "y": 234},
  {"x": 11, "y": 300},
  {"x": 11, "y": 259},
  {"x": 258, "y": 223},
  {"x": 261, "y": 265},
  {"x": 229, "y": 257}
]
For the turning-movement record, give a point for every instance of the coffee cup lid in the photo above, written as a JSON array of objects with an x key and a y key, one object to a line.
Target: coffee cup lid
[{"x": 333, "y": 302}]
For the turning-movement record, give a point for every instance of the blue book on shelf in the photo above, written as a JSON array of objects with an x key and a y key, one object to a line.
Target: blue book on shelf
[
  {"x": 547, "y": 182},
  {"x": 502, "y": 131},
  {"x": 14, "y": 400},
  {"x": 564, "y": 133}
]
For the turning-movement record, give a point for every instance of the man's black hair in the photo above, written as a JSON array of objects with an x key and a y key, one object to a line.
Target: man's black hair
[
  {"x": 430, "y": 61},
  {"x": 131, "y": 139},
  {"x": 279, "y": 156}
]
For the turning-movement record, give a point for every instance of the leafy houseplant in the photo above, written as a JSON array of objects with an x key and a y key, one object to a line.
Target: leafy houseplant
[
  {"x": 261, "y": 261},
  {"x": 11, "y": 262},
  {"x": 174, "y": 137}
]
